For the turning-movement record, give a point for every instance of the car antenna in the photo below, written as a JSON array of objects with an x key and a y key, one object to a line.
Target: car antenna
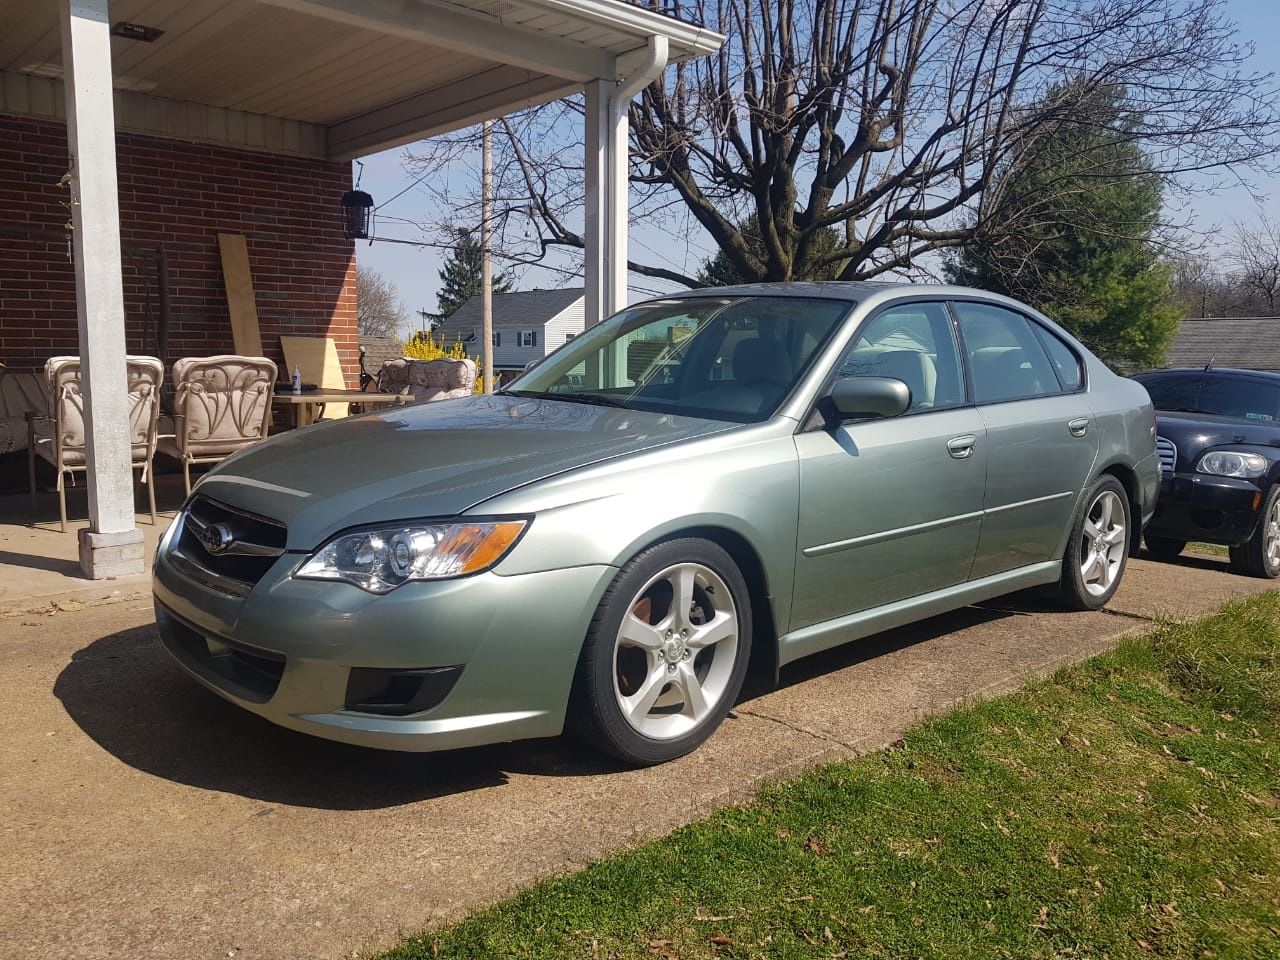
[{"x": 1209, "y": 366}]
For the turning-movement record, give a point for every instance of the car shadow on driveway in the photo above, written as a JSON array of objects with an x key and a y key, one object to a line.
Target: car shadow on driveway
[{"x": 126, "y": 694}]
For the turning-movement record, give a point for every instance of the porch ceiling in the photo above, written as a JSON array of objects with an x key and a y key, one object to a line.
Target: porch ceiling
[{"x": 372, "y": 73}]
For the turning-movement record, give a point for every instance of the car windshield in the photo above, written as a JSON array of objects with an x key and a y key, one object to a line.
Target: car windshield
[
  {"x": 1222, "y": 395},
  {"x": 721, "y": 358}
]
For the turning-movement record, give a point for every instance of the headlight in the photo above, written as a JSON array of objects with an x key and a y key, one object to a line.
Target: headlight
[
  {"x": 1224, "y": 463},
  {"x": 382, "y": 559}
]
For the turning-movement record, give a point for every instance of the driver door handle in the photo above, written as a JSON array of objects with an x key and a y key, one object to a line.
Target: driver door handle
[
  {"x": 1079, "y": 426},
  {"x": 961, "y": 448}
]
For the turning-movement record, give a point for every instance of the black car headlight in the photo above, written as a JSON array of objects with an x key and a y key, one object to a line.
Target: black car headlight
[
  {"x": 379, "y": 560},
  {"x": 1229, "y": 463}
]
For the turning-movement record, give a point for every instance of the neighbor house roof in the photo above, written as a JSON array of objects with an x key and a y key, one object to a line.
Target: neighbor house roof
[
  {"x": 523, "y": 308},
  {"x": 1249, "y": 342},
  {"x": 378, "y": 350}
]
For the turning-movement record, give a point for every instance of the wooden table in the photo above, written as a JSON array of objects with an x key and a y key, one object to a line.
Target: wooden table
[{"x": 306, "y": 405}]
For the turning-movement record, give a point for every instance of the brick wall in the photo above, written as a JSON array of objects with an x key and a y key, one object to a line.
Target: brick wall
[{"x": 181, "y": 195}]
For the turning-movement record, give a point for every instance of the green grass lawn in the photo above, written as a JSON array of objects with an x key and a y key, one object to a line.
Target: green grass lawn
[{"x": 1129, "y": 807}]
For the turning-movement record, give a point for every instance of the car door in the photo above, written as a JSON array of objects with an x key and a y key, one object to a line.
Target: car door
[
  {"x": 1029, "y": 387},
  {"x": 890, "y": 509}
]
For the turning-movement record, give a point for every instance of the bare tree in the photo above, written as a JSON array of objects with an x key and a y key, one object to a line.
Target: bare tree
[
  {"x": 885, "y": 120},
  {"x": 1255, "y": 254},
  {"x": 379, "y": 312}
]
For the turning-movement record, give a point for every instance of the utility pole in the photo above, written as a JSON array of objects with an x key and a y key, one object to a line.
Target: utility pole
[{"x": 486, "y": 258}]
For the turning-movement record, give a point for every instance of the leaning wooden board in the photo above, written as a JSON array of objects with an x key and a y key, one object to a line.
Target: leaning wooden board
[
  {"x": 317, "y": 358},
  {"x": 240, "y": 302}
]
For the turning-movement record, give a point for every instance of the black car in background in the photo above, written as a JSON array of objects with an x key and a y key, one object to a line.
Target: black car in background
[{"x": 1218, "y": 436}]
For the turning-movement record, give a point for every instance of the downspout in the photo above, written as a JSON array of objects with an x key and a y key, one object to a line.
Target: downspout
[{"x": 650, "y": 69}]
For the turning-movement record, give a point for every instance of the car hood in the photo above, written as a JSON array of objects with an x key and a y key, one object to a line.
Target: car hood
[
  {"x": 430, "y": 459},
  {"x": 1194, "y": 433}
]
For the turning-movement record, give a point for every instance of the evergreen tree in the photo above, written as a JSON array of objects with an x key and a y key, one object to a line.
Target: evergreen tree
[
  {"x": 1074, "y": 221},
  {"x": 460, "y": 276}
]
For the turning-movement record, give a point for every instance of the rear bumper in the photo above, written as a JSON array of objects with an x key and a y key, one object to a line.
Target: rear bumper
[{"x": 1196, "y": 506}]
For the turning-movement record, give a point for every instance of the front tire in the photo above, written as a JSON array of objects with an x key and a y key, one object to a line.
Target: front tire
[
  {"x": 1259, "y": 556},
  {"x": 665, "y": 655},
  {"x": 1163, "y": 548},
  {"x": 1098, "y": 550}
]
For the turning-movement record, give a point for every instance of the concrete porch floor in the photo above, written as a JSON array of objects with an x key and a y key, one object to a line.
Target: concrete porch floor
[{"x": 39, "y": 564}]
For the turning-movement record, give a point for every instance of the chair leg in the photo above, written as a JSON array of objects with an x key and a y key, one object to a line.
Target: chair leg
[
  {"x": 31, "y": 478},
  {"x": 62, "y": 501},
  {"x": 186, "y": 475},
  {"x": 149, "y": 473}
]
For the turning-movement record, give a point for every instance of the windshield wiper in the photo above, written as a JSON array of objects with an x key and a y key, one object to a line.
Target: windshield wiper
[{"x": 597, "y": 399}]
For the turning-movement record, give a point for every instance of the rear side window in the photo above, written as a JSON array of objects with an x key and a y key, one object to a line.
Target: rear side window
[
  {"x": 1066, "y": 364},
  {"x": 1173, "y": 391},
  {"x": 1005, "y": 356}
]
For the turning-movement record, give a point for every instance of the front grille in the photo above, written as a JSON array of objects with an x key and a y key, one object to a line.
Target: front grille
[
  {"x": 249, "y": 545},
  {"x": 1167, "y": 453}
]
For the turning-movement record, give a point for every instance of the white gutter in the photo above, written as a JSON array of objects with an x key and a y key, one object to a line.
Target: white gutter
[{"x": 689, "y": 39}]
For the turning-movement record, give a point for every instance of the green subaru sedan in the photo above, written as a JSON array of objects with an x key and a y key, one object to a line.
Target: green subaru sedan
[{"x": 737, "y": 475}]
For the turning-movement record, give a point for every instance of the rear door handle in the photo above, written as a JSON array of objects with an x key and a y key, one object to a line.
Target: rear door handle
[
  {"x": 962, "y": 447},
  {"x": 1079, "y": 426}
]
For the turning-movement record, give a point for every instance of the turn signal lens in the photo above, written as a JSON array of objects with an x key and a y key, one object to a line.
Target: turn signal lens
[{"x": 382, "y": 559}]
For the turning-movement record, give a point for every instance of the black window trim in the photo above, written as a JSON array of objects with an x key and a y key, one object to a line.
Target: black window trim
[
  {"x": 814, "y": 418},
  {"x": 1034, "y": 323}
]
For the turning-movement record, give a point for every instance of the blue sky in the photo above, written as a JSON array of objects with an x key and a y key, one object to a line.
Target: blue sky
[{"x": 414, "y": 270}]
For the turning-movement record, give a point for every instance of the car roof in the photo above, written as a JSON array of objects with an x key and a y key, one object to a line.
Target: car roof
[
  {"x": 1230, "y": 371},
  {"x": 852, "y": 290}
]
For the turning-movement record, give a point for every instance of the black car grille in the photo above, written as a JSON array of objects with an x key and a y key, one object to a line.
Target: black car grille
[
  {"x": 224, "y": 548},
  {"x": 1167, "y": 453}
]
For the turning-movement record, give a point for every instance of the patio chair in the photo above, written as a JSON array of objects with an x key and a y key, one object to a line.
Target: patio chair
[
  {"x": 58, "y": 436},
  {"x": 220, "y": 405},
  {"x": 423, "y": 381}
]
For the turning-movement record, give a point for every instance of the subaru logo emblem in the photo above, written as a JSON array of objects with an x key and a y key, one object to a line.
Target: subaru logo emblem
[{"x": 216, "y": 538}]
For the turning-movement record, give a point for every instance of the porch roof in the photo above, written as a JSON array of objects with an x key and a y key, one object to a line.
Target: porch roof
[{"x": 336, "y": 78}]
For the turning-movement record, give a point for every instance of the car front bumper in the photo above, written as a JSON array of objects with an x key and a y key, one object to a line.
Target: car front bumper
[
  {"x": 496, "y": 654},
  {"x": 1198, "y": 506}
]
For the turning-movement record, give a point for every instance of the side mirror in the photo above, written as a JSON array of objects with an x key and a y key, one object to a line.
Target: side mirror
[{"x": 868, "y": 397}]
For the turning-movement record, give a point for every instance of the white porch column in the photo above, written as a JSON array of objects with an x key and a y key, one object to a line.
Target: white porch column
[
  {"x": 112, "y": 545},
  {"x": 607, "y": 217},
  {"x": 606, "y": 142}
]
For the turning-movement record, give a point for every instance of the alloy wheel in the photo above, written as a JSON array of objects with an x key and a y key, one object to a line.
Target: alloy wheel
[
  {"x": 675, "y": 652},
  {"x": 1103, "y": 543},
  {"x": 1271, "y": 539}
]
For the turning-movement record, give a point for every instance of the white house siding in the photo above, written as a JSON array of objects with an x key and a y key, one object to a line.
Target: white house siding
[
  {"x": 508, "y": 355},
  {"x": 568, "y": 322}
]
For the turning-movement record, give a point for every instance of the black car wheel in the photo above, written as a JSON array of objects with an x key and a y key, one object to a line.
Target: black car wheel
[
  {"x": 1163, "y": 548},
  {"x": 1259, "y": 556},
  {"x": 665, "y": 655}
]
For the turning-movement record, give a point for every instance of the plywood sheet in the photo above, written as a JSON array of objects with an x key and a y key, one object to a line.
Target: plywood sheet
[
  {"x": 240, "y": 302},
  {"x": 317, "y": 358}
]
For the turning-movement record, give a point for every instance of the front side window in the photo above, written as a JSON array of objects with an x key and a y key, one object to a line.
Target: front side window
[
  {"x": 913, "y": 343},
  {"x": 730, "y": 358},
  {"x": 1005, "y": 356}
]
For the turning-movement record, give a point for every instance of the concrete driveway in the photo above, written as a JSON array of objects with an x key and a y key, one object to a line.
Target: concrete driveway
[{"x": 144, "y": 817}]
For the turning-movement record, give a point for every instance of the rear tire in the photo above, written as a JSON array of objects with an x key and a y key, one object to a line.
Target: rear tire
[
  {"x": 665, "y": 655},
  {"x": 1259, "y": 556},
  {"x": 1098, "y": 550},
  {"x": 1163, "y": 548}
]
